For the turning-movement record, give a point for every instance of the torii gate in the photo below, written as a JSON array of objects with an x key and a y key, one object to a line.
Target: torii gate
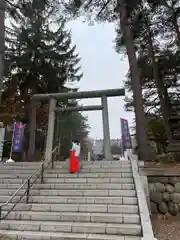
[{"x": 53, "y": 97}]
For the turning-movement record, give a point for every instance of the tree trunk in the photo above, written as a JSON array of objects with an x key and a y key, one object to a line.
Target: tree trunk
[
  {"x": 159, "y": 85},
  {"x": 141, "y": 127},
  {"x": 167, "y": 100},
  {"x": 158, "y": 147},
  {"x": 176, "y": 26},
  {"x": 2, "y": 40}
]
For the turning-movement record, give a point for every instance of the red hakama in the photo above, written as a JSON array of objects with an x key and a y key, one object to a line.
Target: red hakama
[{"x": 74, "y": 162}]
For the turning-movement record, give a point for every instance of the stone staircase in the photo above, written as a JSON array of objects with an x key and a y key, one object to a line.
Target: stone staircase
[{"x": 100, "y": 203}]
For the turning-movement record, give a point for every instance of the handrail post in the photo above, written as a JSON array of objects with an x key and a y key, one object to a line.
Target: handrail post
[
  {"x": 52, "y": 161},
  {"x": 39, "y": 173},
  {"x": 0, "y": 212},
  {"x": 28, "y": 190},
  {"x": 42, "y": 173},
  {"x": 54, "y": 155}
]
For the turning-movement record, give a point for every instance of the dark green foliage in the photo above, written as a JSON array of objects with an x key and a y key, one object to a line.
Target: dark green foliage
[
  {"x": 100, "y": 10},
  {"x": 168, "y": 66},
  {"x": 156, "y": 37},
  {"x": 167, "y": 60},
  {"x": 157, "y": 133},
  {"x": 69, "y": 127},
  {"x": 41, "y": 53}
]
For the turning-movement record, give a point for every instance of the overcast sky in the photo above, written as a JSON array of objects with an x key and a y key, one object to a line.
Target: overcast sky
[{"x": 103, "y": 68}]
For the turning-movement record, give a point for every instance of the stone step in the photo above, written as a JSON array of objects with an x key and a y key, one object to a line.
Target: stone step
[
  {"x": 19, "y": 164},
  {"x": 94, "y": 170},
  {"x": 95, "y": 166},
  {"x": 74, "y": 217},
  {"x": 103, "y": 162},
  {"x": 15, "y": 176},
  {"x": 78, "y": 186},
  {"x": 88, "y": 208},
  {"x": 74, "y": 200},
  {"x": 70, "y": 180},
  {"x": 14, "y": 235},
  {"x": 103, "y": 165},
  {"x": 23, "y": 169},
  {"x": 68, "y": 192},
  {"x": 68, "y": 175},
  {"x": 14, "y": 180},
  {"x": 18, "y": 171},
  {"x": 72, "y": 227},
  {"x": 90, "y": 180},
  {"x": 63, "y": 170},
  {"x": 64, "y": 165},
  {"x": 114, "y": 162}
]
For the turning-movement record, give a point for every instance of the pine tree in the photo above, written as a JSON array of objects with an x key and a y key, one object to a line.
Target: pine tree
[
  {"x": 40, "y": 52},
  {"x": 157, "y": 60},
  {"x": 40, "y": 58}
]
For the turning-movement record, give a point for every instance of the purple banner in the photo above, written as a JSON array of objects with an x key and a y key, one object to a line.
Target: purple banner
[
  {"x": 18, "y": 134},
  {"x": 125, "y": 135}
]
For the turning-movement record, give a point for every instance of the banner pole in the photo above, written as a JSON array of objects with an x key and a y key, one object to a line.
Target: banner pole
[
  {"x": 10, "y": 156},
  {"x": 2, "y": 140}
]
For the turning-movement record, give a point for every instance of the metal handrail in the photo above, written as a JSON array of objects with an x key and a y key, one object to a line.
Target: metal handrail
[{"x": 29, "y": 185}]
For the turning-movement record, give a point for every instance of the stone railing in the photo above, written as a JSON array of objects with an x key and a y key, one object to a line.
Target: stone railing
[{"x": 146, "y": 225}]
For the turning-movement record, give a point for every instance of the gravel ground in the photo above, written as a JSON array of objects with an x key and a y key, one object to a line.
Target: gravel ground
[{"x": 166, "y": 228}]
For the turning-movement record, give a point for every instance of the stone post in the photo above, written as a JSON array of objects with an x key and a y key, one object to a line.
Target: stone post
[
  {"x": 106, "y": 134},
  {"x": 50, "y": 132}
]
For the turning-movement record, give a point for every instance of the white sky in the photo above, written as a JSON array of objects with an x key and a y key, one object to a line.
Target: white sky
[{"x": 103, "y": 68}]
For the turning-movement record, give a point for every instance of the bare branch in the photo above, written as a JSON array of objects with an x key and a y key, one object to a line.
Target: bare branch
[{"x": 102, "y": 9}]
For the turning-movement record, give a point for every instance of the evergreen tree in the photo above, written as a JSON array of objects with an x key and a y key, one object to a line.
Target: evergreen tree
[
  {"x": 41, "y": 54},
  {"x": 69, "y": 127},
  {"x": 158, "y": 60},
  {"x": 40, "y": 58}
]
